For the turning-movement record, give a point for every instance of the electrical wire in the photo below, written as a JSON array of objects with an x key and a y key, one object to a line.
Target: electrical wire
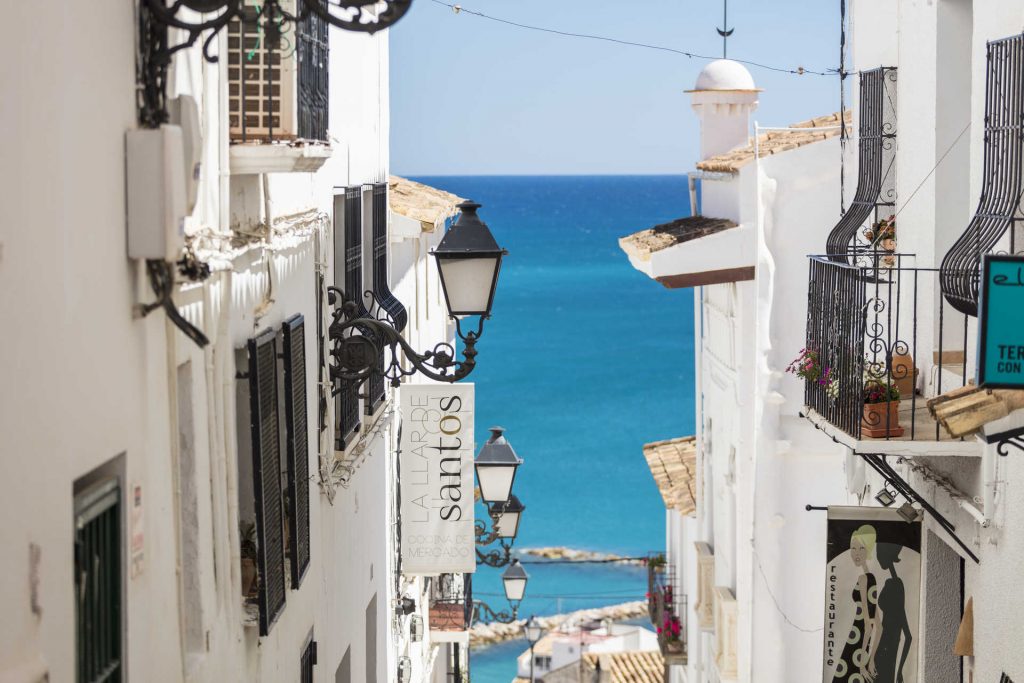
[
  {"x": 799, "y": 71},
  {"x": 161, "y": 279}
]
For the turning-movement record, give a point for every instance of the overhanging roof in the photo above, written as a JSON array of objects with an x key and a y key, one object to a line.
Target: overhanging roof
[
  {"x": 673, "y": 465},
  {"x": 420, "y": 202},
  {"x": 692, "y": 251}
]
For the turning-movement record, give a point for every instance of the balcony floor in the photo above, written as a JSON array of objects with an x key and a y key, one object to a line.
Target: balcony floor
[{"x": 919, "y": 435}]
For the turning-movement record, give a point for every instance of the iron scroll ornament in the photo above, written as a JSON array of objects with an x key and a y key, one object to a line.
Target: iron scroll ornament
[
  {"x": 193, "y": 16},
  {"x": 358, "y": 339},
  {"x": 481, "y": 608}
]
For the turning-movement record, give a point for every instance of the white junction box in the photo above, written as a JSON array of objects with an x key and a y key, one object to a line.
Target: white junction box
[{"x": 156, "y": 193}]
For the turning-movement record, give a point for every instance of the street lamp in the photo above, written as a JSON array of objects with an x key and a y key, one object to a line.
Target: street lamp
[
  {"x": 533, "y": 632},
  {"x": 496, "y": 465},
  {"x": 515, "y": 578},
  {"x": 506, "y": 516},
  {"x": 468, "y": 262}
]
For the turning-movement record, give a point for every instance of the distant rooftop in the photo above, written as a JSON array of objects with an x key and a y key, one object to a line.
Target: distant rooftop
[
  {"x": 774, "y": 142},
  {"x": 628, "y": 667},
  {"x": 641, "y": 245}
]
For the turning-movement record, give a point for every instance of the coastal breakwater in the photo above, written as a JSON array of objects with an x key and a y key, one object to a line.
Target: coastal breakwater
[
  {"x": 573, "y": 555},
  {"x": 483, "y": 635}
]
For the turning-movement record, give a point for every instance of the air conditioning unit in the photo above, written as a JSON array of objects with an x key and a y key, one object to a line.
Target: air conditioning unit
[{"x": 277, "y": 76}]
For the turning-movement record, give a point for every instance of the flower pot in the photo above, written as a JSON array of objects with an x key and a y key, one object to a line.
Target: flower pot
[
  {"x": 881, "y": 420},
  {"x": 889, "y": 245},
  {"x": 904, "y": 374}
]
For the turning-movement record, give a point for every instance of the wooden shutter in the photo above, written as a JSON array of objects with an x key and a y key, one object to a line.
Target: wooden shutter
[
  {"x": 298, "y": 445},
  {"x": 266, "y": 466}
]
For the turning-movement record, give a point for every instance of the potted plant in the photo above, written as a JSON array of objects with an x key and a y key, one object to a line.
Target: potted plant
[
  {"x": 670, "y": 633},
  {"x": 808, "y": 367},
  {"x": 881, "y": 409},
  {"x": 250, "y": 570},
  {"x": 882, "y": 235}
]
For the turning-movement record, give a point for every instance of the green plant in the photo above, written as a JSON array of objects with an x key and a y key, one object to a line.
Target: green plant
[{"x": 878, "y": 391}]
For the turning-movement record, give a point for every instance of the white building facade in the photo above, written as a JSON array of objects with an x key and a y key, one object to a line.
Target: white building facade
[
  {"x": 746, "y": 560},
  {"x": 222, "y": 510}
]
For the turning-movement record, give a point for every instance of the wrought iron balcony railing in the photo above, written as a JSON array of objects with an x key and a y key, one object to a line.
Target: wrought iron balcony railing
[
  {"x": 666, "y": 607},
  {"x": 869, "y": 327},
  {"x": 451, "y": 602}
]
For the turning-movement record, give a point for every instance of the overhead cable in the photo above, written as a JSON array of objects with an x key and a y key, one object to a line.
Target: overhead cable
[{"x": 799, "y": 71}]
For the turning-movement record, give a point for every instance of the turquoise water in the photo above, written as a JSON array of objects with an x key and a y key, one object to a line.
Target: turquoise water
[{"x": 584, "y": 360}]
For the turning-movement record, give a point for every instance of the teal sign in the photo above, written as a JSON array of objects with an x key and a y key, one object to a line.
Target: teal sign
[{"x": 1001, "y": 319}]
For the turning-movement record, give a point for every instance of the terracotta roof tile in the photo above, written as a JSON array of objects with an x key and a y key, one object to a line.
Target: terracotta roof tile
[
  {"x": 628, "y": 667},
  {"x": 423, "y": 203},
  {"x": 673, "y": 464},
  {"x": 775, "y": 142},
  {"x": 642, "y": 244}
]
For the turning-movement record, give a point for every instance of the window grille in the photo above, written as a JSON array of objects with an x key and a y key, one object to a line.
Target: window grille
[
  {"x": 875, "y": 196},
  {"x": 999, "y": 205},
  {"x": 277, "y": 76},
  {"x": 348, "y": 265},
  {"x": 298, "y": 446},
  {"x": 266, "y": 460},
  {"x": 307, "y": 661},
  {"x": 98, "y": 583},
  {"x": 390, "y": 307}
]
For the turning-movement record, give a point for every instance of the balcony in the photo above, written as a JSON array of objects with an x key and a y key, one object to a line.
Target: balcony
[
  {"x": 666, "y": 607},
  {"x": 877, "y": 329},
  {"x": 277, "y": 94},
  {"x": 451, "y": 608}
]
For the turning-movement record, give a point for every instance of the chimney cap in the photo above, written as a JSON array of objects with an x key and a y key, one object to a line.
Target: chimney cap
[{"x": 724, "y": 74}]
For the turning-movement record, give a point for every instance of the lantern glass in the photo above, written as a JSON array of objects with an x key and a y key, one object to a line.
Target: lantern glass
[
  {"x": 515, "y": 578},
  {"x": 469, "y": 283}
]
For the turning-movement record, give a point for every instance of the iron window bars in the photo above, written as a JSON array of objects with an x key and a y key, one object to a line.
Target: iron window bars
[
  {"x": 391, "y": 309},
  {"x": 348, "y": 259},
  {"x": 298, "y": 447},
  {"x": 196, "y": 19},
  {"x": 862, "y": 317},
  {"x": 98, "y": 583},
  {"x": 451, "y": 602},
  {"x": 667, "y": 609},
  {"x": 999, "y": 206},
  {"x": 875, "y": 196},
  {"x": 307, "y": 661},
  {"x": 266, "y": 461}
]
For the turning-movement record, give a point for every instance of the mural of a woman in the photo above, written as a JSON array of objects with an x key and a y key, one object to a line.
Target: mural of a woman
[
  {"x": 887, "y": 657},
  {"x": 853, "y": 665}
]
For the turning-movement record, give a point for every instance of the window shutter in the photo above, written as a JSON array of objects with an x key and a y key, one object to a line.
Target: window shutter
[
  {"x": 307, "y": 661},
  {"x": 298, "y": 446},
  {"x": 266, "y": 456}
]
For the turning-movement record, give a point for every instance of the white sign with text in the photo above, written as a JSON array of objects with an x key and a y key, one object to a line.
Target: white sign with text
[{"x": 437, "y": 479}]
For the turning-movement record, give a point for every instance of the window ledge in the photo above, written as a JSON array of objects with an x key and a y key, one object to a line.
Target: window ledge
[{"x": 251, "y": 158}]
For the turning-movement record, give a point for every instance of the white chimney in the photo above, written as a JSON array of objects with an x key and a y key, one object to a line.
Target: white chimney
[{"x": 724, "y": 97}]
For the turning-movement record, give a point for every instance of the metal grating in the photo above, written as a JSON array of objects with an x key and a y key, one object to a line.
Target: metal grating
[
  {"x": 312, "y": 49},
  {"x": 298, "y": 446},
  {"x": 307, "y": 662},
  {"x": 998, "y": 207},
  {"x": 261, "y": 80},
  {"x": 875, "y": 196},
  {"x": 266, "y": 455},
  {"x": 399, "y": 317},
  {"x": 98, "y": 583},
  {"x": 349, "y": 260}
]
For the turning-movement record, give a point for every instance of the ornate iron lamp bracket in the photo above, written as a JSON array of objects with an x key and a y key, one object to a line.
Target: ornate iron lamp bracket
[
  {"x": 358, "y": 340},
  {"x": 481, "y": 608}
]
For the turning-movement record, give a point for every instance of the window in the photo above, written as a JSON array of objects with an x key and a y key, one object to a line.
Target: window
[
  {"x": 266, "y": 477},
  {"x": 348, "y": 267},
  {"x": 277, "y": 85},
  {"x": 308, "y": 660},
  {"x": 298, "y": 446},
  {"x": 390, "y": 307},
  {"x": 98, "y": 581}
]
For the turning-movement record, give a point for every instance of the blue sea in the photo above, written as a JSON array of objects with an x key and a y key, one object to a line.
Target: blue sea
[{"x": 584, "y": 360}]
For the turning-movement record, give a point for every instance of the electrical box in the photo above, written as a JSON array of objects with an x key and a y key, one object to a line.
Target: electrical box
[{"x": 156, "y": 192}]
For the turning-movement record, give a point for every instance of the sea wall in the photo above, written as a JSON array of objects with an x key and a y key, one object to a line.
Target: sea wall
[
  {"x": 483, "y": 635},
  {"x": 564, "y": 553}
]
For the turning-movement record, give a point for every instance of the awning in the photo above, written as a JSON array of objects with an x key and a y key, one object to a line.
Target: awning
[
  {"x": 673, "y": 465},
  {"x": 427, "y": 205},
  {"x": 693, "y": 251}
]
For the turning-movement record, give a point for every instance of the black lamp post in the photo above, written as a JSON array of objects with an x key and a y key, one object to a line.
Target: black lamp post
[
  {"x": 496, "y": 465},
  {"x": 514, "y": 580},
  {"x": 468, "y": 261},
  {"x": 533, "y": 632}
]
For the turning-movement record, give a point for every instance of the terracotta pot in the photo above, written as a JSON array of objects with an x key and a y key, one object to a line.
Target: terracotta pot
[
  {"x": 249, "y": 573},
  {"x": 904, "y": 374},
  {"x": 881, "y": 420}
]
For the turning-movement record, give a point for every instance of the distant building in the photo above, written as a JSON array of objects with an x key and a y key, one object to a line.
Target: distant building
[{"x": 557, "y": 653}]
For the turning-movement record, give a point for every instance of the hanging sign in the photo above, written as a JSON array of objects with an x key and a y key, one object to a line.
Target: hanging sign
[
  {"x": 1001, "y": 322},
  {"x": 872, "y": 596},
  {"x": 436, "y": 463}
]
